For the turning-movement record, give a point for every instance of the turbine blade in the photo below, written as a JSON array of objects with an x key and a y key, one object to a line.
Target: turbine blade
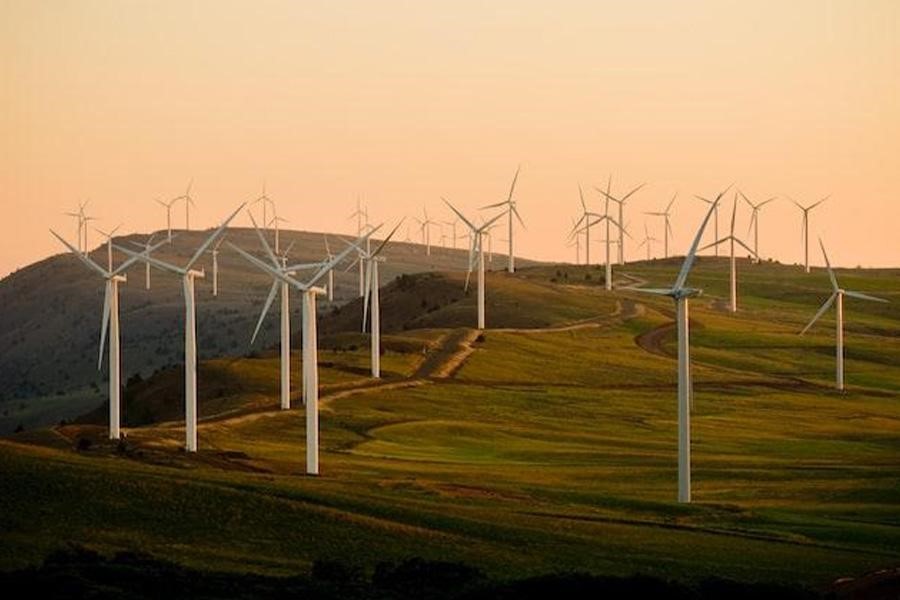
[
  {"x": 213, "y": 237},
  {"x": 262, "y": 316},
  {"x": 82, "y": 257},
  {"x": 862, "y": 296},
  {"x": 367, "y": 287},
  {"x": 692, "y": 253},
  {"x": 460, "y": 215},
  {"x": 105, "y": 323},
  {"x": 834, "y": 283},
  {"x": 822, "y": 310}
]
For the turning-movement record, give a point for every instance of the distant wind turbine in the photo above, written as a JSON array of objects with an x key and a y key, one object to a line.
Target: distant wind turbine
[
  {"x": 754, "y": 221},
  {"x": 838, "y": 294},
  {"x": 188, "y": 275},
  {"x": 510, "y": 209},
  {"x": 680, "y": 294},
  {"x": 110, "y": 322},
  {"x": 805, "y": 227},
  {"x": 666, "y": 214},
  {"x": 476, "y": 255},
  {"x": 732, "y": 240}
]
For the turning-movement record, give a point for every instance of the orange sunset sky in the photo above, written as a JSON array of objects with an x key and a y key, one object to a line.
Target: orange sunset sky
[{"x": 402, "y": 102}]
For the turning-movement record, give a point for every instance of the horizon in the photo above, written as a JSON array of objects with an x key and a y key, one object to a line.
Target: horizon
[{"x": 401, "y": 104}]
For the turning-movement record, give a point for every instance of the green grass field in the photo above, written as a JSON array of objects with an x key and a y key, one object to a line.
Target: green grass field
[{"x": 547, "y": 450}]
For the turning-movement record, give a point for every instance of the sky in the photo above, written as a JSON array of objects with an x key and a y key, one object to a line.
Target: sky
[{"x": 401, "y": 103}]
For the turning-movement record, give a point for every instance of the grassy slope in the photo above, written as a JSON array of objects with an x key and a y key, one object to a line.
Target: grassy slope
[{"x": 547, "y": 451}]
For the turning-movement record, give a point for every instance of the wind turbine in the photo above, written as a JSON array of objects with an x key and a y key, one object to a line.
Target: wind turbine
[
  {"x": 666, "y": 214},
  {"x": 188, "y": 203},
  {"x": 732, "y": 240},
  {"x": 510, "y": 210},
  {"x": 373, "y": 297},
  {"x": 622, "y": 229},
  {"x": 264, "y": 200},
  {"x": 81, "y": 219},
  {"x": 680, "y": 294},
  {"x": 754, "y": 221},
  {"x": 168, "y": 205},
  {"x": 806, "y": 210},
  {"x": 838, "y": 294},
  {"x": 110, "y": 322},
  {"x": 476, "y": 255},
  {"x": 647, "y": 241},
  {"x": 109, "y": 236},
  {"x": 585, "y": 218},
  {"x": 188, "y": 275},
  {"x": 426, "y": 230},
  {"x": 310, "y": 374}
]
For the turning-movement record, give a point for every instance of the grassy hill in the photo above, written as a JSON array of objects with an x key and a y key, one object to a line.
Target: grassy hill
[
  {"x": 50, "y": 317},
  {"x": 547, "y": 444}
]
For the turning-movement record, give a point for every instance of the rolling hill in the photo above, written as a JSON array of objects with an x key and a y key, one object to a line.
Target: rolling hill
[
  {"x": 50, "y": 317},
  {"x": 547, "y": 444}
]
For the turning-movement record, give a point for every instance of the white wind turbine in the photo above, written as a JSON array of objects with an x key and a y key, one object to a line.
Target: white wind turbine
[
  {"x": 425, "y": 226},
  {"x": 680, "y": 294},
  {"x": 732, "y": 240},
  {"x": 666, "y": 214},
  {"x": 647, "y": 241},
  {"x": 754, "y": 221},
  {"x": 109, "y": 237},
  {"x": 110, "y": 322},
  {"x": 168, "y": 206},
  {"x": 585, "y": 218},
  {"x": 510, "y": 210},
  {"x": 805, "y": 225},
  {"x": 476, "y": 255},
  {"x": 81, "y": 220},
  {"x": 838, "y": 294},
  {"x": 310, "y": 374},
  {"x": 373, "y": 297},
  {"x": 188, "y": 275},
  {"x": 622, "y": 229},
  {"x": 188, "y": 203}
]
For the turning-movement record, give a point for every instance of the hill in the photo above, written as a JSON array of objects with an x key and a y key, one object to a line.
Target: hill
[
  {"x": 50, "y": 317},
  {"x": 523, "y": 451}
]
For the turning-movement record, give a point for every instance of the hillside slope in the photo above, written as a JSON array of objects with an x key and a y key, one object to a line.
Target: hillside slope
[{"x": 50, "y": 317}]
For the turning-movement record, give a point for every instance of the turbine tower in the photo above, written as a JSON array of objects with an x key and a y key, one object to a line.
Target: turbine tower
[
  {"x": 110, "y": 322},
  {"x": 476, "y": 255},
  {"x": 732, "y": 240},
  {"x": 188, "y": 275},
  {"x": 838, "y": 294},
  {"x": 371, "y": 260},
  {"x": 666, "y": 214},
  {"x": 309, "y": 342},
  {"x": 510, "y": 209},
  {"x": 805, "y": 225},
  {"x": 754, "y": 221},
  {"x": 680, "y": 294}
]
